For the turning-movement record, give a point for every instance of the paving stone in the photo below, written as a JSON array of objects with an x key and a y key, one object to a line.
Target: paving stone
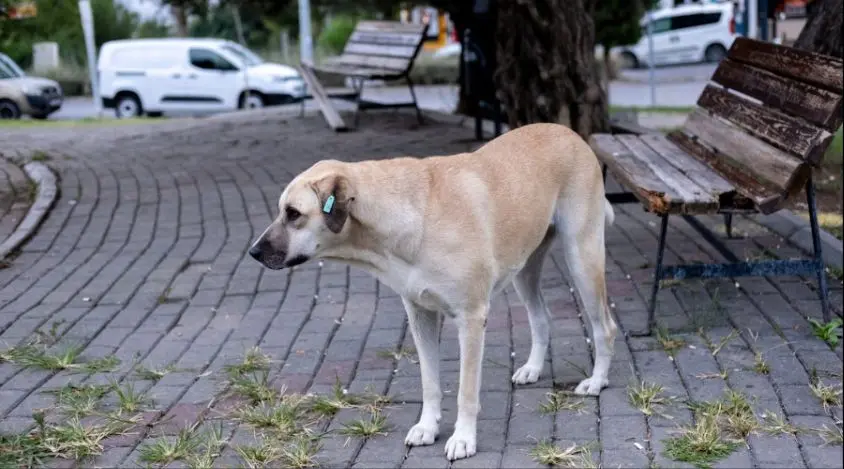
[
  {"x": 153, "y": 266},
  {"x": 776, "y": 449},
  {"x": 628, "y": 457}
]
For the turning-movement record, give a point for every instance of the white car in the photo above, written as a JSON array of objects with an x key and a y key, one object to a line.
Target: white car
[
  {"x": 155, "y": 76},
  {"x": 684, "y": 34}
]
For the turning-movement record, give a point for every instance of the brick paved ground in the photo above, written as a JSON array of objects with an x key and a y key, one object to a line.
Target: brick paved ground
[
  {"x": 143, "y": 260},
  {"x": 15, "y": 197}
]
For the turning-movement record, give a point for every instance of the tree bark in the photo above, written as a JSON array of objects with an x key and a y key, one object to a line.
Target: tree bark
[
  {"x": 822, "y": 32},
  {"x": 180, "y": 14},
  {"x": 547, "y": 70}
]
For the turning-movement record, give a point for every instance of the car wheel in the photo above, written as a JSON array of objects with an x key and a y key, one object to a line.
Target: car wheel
[
  {"x": 628, "y": 60},
  {"x": 9, "y": 110},
  {"x": 251, "y": 100},
  {"x": 715, "y": 53},
  {"x": 128, "y": 105}
]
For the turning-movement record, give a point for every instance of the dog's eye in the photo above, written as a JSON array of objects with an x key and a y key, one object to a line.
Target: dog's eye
[{"x": 292, "y": 214}]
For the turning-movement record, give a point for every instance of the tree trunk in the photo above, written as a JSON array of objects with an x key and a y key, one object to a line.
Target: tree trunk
[
  {"x": 822, "y": 32},
  {"x": 547, "y": 70},
  {"x": 180, "y": 14}
]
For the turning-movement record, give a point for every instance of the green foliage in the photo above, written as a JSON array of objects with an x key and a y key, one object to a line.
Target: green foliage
[
  {"x": 59, "y": 21},
  {"x": 617, "y": 21},
  {"x": 334, "y": 36}
]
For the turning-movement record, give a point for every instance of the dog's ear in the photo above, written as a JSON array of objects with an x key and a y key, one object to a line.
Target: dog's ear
[{"x": 335, "y": 196}]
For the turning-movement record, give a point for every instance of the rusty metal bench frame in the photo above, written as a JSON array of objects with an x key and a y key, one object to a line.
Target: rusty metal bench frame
[
  {"x": 749, "y": 146},
  {"x": 376, "y": 50}
]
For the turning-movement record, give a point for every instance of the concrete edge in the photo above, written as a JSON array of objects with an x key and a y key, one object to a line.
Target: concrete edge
[
  {"x": 785, "y": 223},
  {"x": 46, "y": 196}
]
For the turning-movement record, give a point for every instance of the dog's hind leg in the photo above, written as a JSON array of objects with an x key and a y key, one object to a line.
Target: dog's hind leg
[
  {"x": 585, "y": 256},
  {"x": 425, "y": 328},
  {"x": 527, "y": 284}
]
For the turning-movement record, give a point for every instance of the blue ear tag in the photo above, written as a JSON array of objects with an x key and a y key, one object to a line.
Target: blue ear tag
[{"x": 329, "y": 204}]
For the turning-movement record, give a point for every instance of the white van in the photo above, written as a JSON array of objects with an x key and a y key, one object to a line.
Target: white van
[
  {"x": 188, "y": 75},
  {"x": 684, "y": 34}
]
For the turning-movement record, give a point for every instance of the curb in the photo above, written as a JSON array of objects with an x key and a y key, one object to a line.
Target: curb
[
  {"x": 785, "y": 223},
  {"x": 47, "y": 194}
]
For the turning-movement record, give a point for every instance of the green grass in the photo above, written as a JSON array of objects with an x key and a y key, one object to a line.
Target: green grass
[
  {"x": 649, "y": 398},
  {"x": 701, "y": 444},
  {"x": 153, "y": 374},
  {"x": 165, "y": 450},
  {"x": 829, "y": 332},
  {"x": 284, "y": 417},
  {"x": 720, "y": 427},
  {"x": 71, "y": 123},
  {"x": 81, "y": 400},
  {"x": 375, "y": 425},
  {"x": 549, "y": 454},
  {"x": 68, "y": 439},
  {"x": 559, "y": 401},
  {"x": 35, "y": 354}
]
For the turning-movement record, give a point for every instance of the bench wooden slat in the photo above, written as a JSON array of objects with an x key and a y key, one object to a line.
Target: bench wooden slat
[
  {"x": 405, "y": 52},
  {"x": 694, "y": 197},
  {"x": 765, "y": 198},
  {"x": 791, "y": 135},
  {"x": 710, "y": 181},
  {"x": 809, "y": 67},
  {"x": 384, "y": 39},
  {"x": 636, "y": 175},
  {"x": 740, "y": 149},
  {"x": 817, "y": 105},
  {"x": 379, "y": 65},
  {"x": 318, "y": 92},
  {"x": 391, "y": 27}
]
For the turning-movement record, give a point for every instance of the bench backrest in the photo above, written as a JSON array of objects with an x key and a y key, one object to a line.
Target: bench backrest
[
  {"x": 387, "y": 45},
  {"x": 770, "y": 120}
]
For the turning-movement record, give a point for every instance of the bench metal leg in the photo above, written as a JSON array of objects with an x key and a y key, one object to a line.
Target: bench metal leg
[
  {"x": 818, "y": 255},
  {"x": 359, "y": 82},
  {"x": 415, "y": 104},
  {"x": 728, "y": 224},
  {"x": 663, "y": 231}
]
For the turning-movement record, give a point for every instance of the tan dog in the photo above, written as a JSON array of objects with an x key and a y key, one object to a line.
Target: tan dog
[{"x": 447, "y": 233}]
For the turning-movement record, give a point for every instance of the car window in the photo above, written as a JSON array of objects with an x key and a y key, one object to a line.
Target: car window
[
  {"x": 245, "y": 55},
  {"x": 209, "y": 60},
  {"x": 693, "y": 20},
  {"x": 9, "y": 69},
  {"x": 661, "y": 25}
]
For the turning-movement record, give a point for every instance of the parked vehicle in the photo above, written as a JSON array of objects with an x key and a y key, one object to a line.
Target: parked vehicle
[
  {"x": 21, "y": 94},
  {"x": 154, "y": 76},
  {"x": 684, "y": 34}
]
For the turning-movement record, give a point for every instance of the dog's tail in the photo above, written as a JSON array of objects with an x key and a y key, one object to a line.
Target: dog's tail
[{"x": 609, "y": 214}]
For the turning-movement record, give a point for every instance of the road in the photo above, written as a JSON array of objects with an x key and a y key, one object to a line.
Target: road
[{"x": 675, "y": 86}]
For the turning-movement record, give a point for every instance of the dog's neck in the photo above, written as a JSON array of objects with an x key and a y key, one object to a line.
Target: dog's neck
[{"x": 385, "y": 216}]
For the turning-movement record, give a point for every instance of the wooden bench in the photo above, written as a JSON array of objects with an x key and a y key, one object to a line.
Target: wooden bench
[
  {"x": 376, "y": 50},
  {"x": 749, "y": 146}
]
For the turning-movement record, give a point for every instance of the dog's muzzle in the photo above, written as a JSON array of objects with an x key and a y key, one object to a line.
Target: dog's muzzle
[{"x": 263, "y": 252}]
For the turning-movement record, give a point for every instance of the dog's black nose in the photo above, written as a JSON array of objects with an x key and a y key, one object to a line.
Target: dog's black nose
[{"x": 256, "y": 252}]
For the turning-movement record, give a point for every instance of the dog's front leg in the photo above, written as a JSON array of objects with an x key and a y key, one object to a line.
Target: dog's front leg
[
  {"x": 425, "y": 328},
  {"x": 471, "y": 326}
]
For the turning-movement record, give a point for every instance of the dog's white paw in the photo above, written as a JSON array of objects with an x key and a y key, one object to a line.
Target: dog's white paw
[
  {"x": 527, "y": 374},
  {"x": 421, "y": 435},
  {"x": 591, "y": 386},
  {"x": 461, "y": 445}
]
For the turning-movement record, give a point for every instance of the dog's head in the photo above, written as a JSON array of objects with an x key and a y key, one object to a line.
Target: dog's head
[{"x": 313, "y": 213}]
